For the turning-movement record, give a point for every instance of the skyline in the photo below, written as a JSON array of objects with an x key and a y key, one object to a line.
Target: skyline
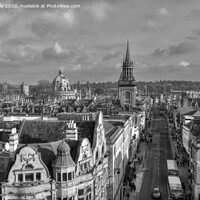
[{"x": 88, "y": 43}]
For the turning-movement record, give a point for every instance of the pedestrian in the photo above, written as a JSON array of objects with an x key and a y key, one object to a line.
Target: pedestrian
[
  {"x": 128, "y": 195},
  {"x": 133, "y": 186},
  {"x": 183, "y": 185},
  {"x": 130, "y": 184}
]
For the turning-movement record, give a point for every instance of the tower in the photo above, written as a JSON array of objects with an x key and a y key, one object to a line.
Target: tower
[
  {"x": 88, "y": 94},
  {"x": 127, "y": 88}
]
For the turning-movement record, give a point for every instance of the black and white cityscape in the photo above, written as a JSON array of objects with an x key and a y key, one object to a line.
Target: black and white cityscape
[{"x": 99, "y": 100}]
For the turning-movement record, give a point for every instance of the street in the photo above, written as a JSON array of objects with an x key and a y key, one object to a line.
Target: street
[{"x": 159, "y": 150}]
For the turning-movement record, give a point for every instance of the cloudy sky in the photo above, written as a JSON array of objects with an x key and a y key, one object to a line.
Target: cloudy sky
[{"x": 88, "y": 42}]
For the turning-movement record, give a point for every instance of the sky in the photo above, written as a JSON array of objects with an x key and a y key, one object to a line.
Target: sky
[{"x": 87, "y": 39}]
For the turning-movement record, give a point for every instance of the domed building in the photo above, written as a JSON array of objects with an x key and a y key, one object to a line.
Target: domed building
[{"x": 62, "y": 88}]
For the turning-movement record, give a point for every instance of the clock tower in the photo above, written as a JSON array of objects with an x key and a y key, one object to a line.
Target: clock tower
[{"x": 127, "y": 88}]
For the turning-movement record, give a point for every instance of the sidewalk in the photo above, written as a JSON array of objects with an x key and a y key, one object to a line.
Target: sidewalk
[
  {"x": 183, "y": 167},
  {"x": 139, "y": 172}
]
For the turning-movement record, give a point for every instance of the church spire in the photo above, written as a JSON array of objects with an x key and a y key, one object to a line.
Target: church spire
[{"x": 127, "y": 52}]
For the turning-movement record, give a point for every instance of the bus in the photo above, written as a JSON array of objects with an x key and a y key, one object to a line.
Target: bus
[
  {"x": 172, "y": 168},
  {"x": 174, "y": 188}
]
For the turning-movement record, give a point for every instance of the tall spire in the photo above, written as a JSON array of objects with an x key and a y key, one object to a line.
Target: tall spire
[{"x": 127, "y": 51}]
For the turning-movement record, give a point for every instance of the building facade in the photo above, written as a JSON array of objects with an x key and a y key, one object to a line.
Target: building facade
[{"x": 60, "y": 160}]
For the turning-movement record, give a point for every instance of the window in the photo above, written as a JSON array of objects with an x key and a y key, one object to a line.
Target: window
[
  {"x": 81, "y": 192},
  {"x": 29, "y": 177},
  {"x": 85, "y": 165},
  {"x": 20, "y": 177},
  {"x": 102, "y": 149},
  {"x": 88, "y": 193},
  {"x": 58, "y": 176},
  {"x": 69, "y": 176},
  {"x": 127, "y": 96},
  {"x": 97, "y": 155},
  {"x": 38, "y": 176},
  {"x": 64, "y": 176},
  {"x": 71, "y": 198},
  {"x": 65, "y": 198}
]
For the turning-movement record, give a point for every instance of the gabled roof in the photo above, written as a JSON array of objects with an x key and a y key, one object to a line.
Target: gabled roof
[
  {"x": 190, "y": 112},
  {"x": 87, "y": 102},
  {"x": 107, "y": 127},
  {"x": 196, "y": 114}
]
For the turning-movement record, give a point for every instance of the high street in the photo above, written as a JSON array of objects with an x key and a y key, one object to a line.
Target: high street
[{"x": 159, "y": 150}]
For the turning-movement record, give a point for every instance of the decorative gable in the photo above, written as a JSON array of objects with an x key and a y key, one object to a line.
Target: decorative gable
[{"x": 28, "y": 168}]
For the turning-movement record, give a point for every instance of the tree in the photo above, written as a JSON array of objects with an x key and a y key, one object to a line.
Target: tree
[
  {"x": 43, "y": 90},
  {"x": 99, "y": 91}
]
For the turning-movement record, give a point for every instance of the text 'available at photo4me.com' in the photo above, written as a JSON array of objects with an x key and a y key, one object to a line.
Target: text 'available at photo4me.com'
[{"x": 50, "y": 5}]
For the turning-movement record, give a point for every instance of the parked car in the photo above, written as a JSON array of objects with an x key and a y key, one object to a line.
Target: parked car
[{"x": 156, "y": 193}]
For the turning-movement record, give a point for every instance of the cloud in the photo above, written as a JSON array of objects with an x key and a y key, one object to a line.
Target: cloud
[
  {"x": 110, "y": 56},
  {"x": 5, "y": 23},
  {"x": 14, "y": 52},
  {"x": 163, "y": 12},
  {"x": 184, "y": 64},
  {"x": 43, "y": 28},
  {"x": 99, "y": 10},
  {"x": 196, "y": 31},
  {"x": 183, "y": 47},
  {"x": 77, "y": 67},
  {"x": 118, "y": 65},
  {"x": 69, "y": 17},
  {"x": 194, "y": 15},
  {"x": 153, "y": 25},
  {"x": 106, "y": 47},
  {"x": 57, "y": 53},
  {"x": 53, "y": 24}
]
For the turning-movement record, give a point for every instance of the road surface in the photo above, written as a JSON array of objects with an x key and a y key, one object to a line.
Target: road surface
[{"x": 155, "y": 173}]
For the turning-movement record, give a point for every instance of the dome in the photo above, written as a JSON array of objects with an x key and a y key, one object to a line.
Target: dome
[
  {"x": 61, "y": 83},
  {"x": 64, "y": 158},
  {"x": 63, "y": 148}
]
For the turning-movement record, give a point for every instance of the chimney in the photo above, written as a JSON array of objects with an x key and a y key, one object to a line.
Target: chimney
[
  {"x": 72, "y": 131},
  {"x": 13, "y": 140},
  {"x": 185, "y": 102}
]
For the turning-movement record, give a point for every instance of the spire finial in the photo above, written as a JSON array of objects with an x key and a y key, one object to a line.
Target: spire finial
[
  {"x": 127, "y": 51},
  {"x": 60, "y": 72}
]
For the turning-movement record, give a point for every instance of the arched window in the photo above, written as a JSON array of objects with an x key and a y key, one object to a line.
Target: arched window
[
  {"x": 97, "y": 156},
  {"x": 102, "y": 150},
  {"x": 127, "y": 97},
  {"x": 88, "y": 193}
]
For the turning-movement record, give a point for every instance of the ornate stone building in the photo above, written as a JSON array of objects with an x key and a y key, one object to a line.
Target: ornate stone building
[
  {"x": 62, "y": 88},
  {"x": 57, "y": 160},
  {"x": 127, "y": 88}
]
